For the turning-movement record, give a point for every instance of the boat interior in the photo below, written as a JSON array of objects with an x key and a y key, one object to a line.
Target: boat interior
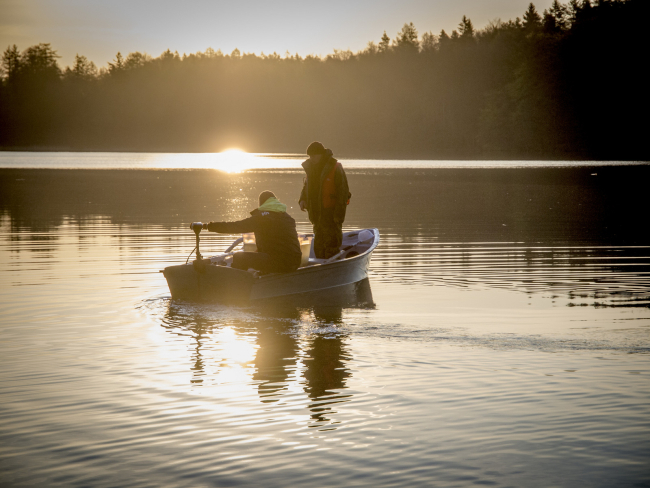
[{"x": 354, "y": 243}]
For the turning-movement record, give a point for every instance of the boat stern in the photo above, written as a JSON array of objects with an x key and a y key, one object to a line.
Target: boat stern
[{"x": 208, "y": 283}]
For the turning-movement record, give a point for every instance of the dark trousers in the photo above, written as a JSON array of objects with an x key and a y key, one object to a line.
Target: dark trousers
[
  {"x": 256, "y": 260},
  {"x": 328, "y": 235},
  {"x": 261, "y": 262}
]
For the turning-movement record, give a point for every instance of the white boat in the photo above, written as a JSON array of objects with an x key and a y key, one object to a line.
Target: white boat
[{"x": 214, "y": 280}]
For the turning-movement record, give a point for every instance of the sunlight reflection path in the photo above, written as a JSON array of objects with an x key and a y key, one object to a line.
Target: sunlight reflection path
[
  {"x": 231, "y": 161},
  {"x": 237, "y": 161}
]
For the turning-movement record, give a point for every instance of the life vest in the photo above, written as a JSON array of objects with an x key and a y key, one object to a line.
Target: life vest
[{"x": 328, "y": 191}]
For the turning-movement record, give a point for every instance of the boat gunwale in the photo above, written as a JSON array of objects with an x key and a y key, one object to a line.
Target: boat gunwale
[{"x": 319, "y": 266}]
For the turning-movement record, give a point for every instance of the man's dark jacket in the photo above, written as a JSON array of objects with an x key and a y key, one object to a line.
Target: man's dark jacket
[
  {"x": 275, "y": 235},
  {"x": 313, "y": 186}
]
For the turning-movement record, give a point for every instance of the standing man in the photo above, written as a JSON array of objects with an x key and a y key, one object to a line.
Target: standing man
[{"x": 325, "y": 196}]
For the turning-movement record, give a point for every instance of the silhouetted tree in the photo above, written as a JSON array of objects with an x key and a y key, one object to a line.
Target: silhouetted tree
[
  {"x": 37, "y": 63},
  {"x": 82, "y": 68},
  {"x": 556, "y": 18},
  {"x": 136, "y": 60},
  {"x": 465, "y": 28},
  {"x": 10, "y": 63},
  {"x": 117, "y": 65},
  {"x": 371, "y": 49},
  {"x": 407, "y": 38},
  {"x": 429, "y": 42},
  {"x": 384, "y": 44},
  {"x": 532, "y": 20}
]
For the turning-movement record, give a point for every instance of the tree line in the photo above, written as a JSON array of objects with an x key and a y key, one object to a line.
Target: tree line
[{"x": 567, "y": 83}]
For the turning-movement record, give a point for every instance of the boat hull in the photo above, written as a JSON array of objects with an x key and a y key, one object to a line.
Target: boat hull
[
  {"x": 311, "y": 278},
  {"x": 210, "y": 283}
]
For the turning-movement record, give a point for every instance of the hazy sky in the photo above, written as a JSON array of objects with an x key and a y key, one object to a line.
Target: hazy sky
[{"x": 99, "y": 29}]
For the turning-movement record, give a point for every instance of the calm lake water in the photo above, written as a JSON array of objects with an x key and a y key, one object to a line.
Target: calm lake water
[{"x": 502, "y": 339}]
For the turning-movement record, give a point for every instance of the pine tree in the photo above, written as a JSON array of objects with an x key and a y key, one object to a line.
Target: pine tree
[
  {"x": 384, "y": 44},
  {"x": 136, "y": 60},
  {"x": 371, "y": 48},
  {"x": 10, "y": 63},
  {"x": 83, "y": 68},
  {"x": 465, "y": 28},
  {"x": 532, "y": 20},
  {"x": 428, "y": 42},
  {"x": 40, "y": 60},
  {"x": 117, "y": 64},
  {"x": 407, "y": 38},
  {"x": 560, "y": 15}
]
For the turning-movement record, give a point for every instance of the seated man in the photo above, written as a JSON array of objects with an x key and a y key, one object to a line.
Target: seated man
[{"x": 278, "y": 249}]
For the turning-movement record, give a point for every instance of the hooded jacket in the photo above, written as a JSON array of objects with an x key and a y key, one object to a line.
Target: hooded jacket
[
  {"x": 275, "y": 232},
  {"x": 313, "y": 187}
]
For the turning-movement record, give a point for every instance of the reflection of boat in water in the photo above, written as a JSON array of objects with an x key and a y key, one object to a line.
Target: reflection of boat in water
[
  {"x": 321, "y": 358},
  {"x": 215, "y": 280},
  {"x": 322, "y": 302}
]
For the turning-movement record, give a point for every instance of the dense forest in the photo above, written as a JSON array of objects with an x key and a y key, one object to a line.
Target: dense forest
[{"x": 566, "y": 83}]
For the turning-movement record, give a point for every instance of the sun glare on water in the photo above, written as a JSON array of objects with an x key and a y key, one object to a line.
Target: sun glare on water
[
  {"x": 230, "y": 161},
  {"x": 234, "y": 161}
]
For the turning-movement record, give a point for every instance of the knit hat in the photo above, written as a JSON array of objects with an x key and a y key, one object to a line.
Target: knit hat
[{"x": 315, "y": 148}]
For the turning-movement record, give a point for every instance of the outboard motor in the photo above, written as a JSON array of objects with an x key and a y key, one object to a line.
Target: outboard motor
[{"x": 197, "y": 227}]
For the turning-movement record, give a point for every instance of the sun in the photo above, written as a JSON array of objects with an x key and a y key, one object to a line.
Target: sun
[
  {"x": 234, "y": 160},
  {"x": 233, "y": 152}
]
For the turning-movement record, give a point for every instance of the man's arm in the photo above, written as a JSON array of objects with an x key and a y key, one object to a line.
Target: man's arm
[
  {"x": 302, "y": 201},
  {"x": 342, "y": 189},
  {"x": 342, "y": 193},
  {"x": 239, "y": 227}
]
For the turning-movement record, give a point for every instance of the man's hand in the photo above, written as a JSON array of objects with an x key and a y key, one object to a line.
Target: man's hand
[{"x": 303, "y": 204}]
